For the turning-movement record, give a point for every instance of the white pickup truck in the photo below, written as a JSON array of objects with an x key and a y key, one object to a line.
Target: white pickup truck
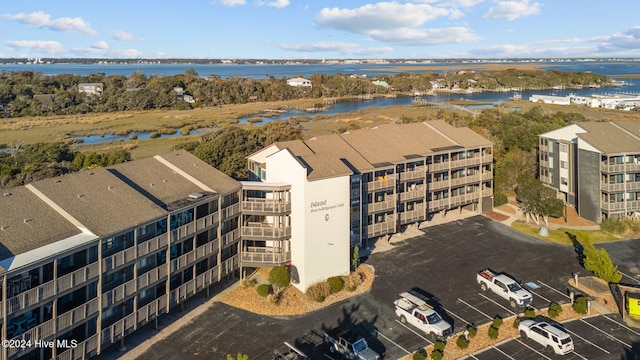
[
  {"x": 416, "y": 311},
  {"x": 505, "y": 286}
]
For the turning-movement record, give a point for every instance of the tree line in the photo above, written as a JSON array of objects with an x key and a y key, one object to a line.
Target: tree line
[{"x": 142, "y": 92}]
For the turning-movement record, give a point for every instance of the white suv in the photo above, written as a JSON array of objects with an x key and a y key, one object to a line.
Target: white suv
[{"x": 547, "y": 335}]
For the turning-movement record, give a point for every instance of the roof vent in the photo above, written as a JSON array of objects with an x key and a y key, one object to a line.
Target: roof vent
[
  {"x": 80, "y": 195},
  {"x": 3, "y": 227},
  {"x": 165, "y": 181},
  {"x": 195, "y": 165},
  {"x": 58, "y": 181},
  {"x": 195, "y": 195},
  {"x": 6, "y": 194},
  {"x": 110, "y": 187},
  {"x": 26, "y": 220},
  {"x": 151, "y": 184}
]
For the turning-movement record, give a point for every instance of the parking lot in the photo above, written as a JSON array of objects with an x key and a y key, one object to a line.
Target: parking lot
[{"x": 442, "y": 263}]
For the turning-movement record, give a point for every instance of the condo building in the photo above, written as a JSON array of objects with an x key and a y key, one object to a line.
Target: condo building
[
  {"x": 594, "y": 166},
  {"x": 349, "y": 189},
  {"x": 90, "y": 257}
]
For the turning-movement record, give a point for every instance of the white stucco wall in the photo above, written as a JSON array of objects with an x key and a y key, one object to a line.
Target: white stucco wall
[{"x": 320, "y": 246}]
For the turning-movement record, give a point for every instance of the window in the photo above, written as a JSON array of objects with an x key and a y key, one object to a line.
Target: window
[
  {"x": 564, "y": 181},
  {"x": 550, "y": 146},
  {"x": 550, "y": 162},
  {"x": 564, "y": 148},
  {"x": 564, "y": 165}
]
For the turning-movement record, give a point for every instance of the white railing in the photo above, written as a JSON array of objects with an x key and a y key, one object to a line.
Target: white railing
[
  {"x": 31, "y": 297},
  {"x": 231, "y": 210},
  {"x": 152, "y": 276},
  {"x": 207, "y": 221},
  {"x": 82, "y": 312},
  {"x": 230, "y": 237},
  {"x": 152, "y": 245},
  {"x": 266, "y": 232},
  {"x": 119, "y": 259},
  {"x": 386, "y": 227},
  {"x": 385, "y": 183},
  {"x": 83, "y": 350},
  {"x": 183, "y": 231},
  {"x": 207, "y": 278},
  {"x": 416, "y": 214},
  {"x": 418, "y": 172},
  {"x": 183, "y": 260},
  {"x": 206, "y": 249},
  {"x": 381, "y": 206},
  {"x": 265, "y": 255},
  {"x": 271, "y": 206},
  {"x": 435, "y": 185},
  {"x": 416, "y": 193}
]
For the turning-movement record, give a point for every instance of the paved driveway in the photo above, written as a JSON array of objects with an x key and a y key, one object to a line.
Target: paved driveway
[{"x": 443, "y": 263}]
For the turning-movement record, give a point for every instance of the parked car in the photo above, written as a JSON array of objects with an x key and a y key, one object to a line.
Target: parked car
[
  {"x": 547, "y": 335},
  {"x": 410, "y": 308},
  {"x": 505, "y": 287}
]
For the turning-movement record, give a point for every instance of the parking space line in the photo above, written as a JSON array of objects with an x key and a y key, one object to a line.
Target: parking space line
[
  {"x": 464, "y": 302},
  {"x": 554, "y": 289},
  {"x": 328, "y": 357},
  {"x": 587, "y": 341},
  {"x": 452, "y": 313},
  {"x": 621, "y": 324},
  {"x": 415, "y": 332},
  {"x": 538, "y": 352},
  {"x": 611, "y": 336},
  {"x": 538, "y": 295},
  {"x": 634, "y": 278},
  {"x": 504, "y": 353},
  {"x": 577, "y": 353},
  {"x": 394, "y": 343},
  {"x": 496, "y": 303}
]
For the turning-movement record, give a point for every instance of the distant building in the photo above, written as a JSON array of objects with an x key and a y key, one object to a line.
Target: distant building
[
  {"x": 380, "y": 83},
  {"x": 550, "y": 99},
  {"x": 299, "y": 82},
  {"x": 95, "y": 89}
]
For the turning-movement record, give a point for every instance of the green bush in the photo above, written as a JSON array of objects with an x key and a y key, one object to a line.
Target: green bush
[
  {"x": 530, "y": 313},
  {"x": 263, "y": 290},
  {"x": 462, "y": 342},
  {"x": 554, "y": 310},
  {"x": 472, "y": 330},
  {"x": 614, "y": 225},
  {"x": 336, "y": 284},
  {"x": 436, "y": 355},
  {"x": 499, "y": 198},
  {"x": 497, "y": 321},
  {"x": 354, "y": 280},
  {"x": 493, "y": 332},
  {"x": 580, "y": 304},
  {"x": 516, "y": 322},
  {"x": 279, "y": 276},
  {"x": 599, "y": 262},
  {"x": 318, "y": 291},
  {"x": 439, "y": 346},
  {"x": 418, "y": 355}
]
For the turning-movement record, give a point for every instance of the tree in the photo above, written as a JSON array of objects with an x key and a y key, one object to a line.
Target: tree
[
  {"x": 537, "y": 200},
  {"x": 279, "y": 278},
  {"x": 599, "y": 262}
]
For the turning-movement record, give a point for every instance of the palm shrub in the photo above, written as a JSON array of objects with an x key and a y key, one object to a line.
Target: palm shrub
[
  {"x": 554, "y": 310},
  {"x": 419, "y": 355},
  {"x": 516, "y": 322},
  {"x": 580, "y": 305},
  {"x": 497, "y": 322},
  {"x": 439, "y": 346},
  {"x": 437, "y": 355},
  {"x": 530, "y": 313},
  {"x": 472, "y": 330},
  {"x": 462, "y": 342},
  {"x": 493, "y": 332}
]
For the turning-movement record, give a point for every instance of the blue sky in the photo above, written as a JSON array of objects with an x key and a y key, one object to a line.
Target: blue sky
[{"x": 316, "y": 29}]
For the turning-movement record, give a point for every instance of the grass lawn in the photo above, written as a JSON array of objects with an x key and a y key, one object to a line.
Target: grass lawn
[{"x": 561, "y": 236}]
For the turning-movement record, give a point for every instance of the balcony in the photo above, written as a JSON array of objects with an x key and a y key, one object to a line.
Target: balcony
[
  {"x": 387, "y": 227},
  {"x": 207, "y": 249},
  {"x": 414, "y": 193},
  {"x": 78, "y": 277},
  {"x": 256, "y": 206},
  {"x": 183, "y": 231},
  {"x": 152, "y": 310},
  {"x": 119, "y": 259},
  {"x": 437, "y": 185},
  {"x": 438, "y": 204},
  {"x": 418, "y": 172},
  {"x": 120, "y": 328},
  {"x": 152, "y": 245},
  {"x": 182, "y": 292},
  {"x": 464, "y": 199},
  {"x": 386, "y": 182},
  {"x": 417, "y": 214},
  {"x": 439, "y": 166},
  {"x": 231, "y": 211},
  {"x": 260, "y": 231},
  {"x": 264, "y": 256},
  {"x": 472, "y": 179},
  {"x": 119, "y": 293},
  {"x": 466, "y": 162},
  {"x": 230, "y": 237},
  {"x": 183, "y": 261},
  {"x": 152, "y": 277},
  {"x": 207, "y": 221},
  {"x": 84, "y": 350},
  {"x": 381, "y": 206},
  {"x": 625, "y": 206},
  {"x": 487, "y": 192},
  {"x": 209, "y": 277},
  {"x": 631, "y": 185},
  {"x": 487, "y": 175}
]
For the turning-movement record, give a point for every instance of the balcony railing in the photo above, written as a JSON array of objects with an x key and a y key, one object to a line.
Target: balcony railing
[
  {"x": 487, "y": 175},
  {"x": 230, "y": 237},
  {"x": 466, "y": 162},
  {"x": 417, "y": 214},
  {"x": 152, "y": 276},
  {"x": 436, "y": 185},
  {"x": 31, "y": 297},
  {"x": 389, "y": 226},
  {"x": 231, "y": 210},
  {"x": 78, "y": 277},
  {"x": 388, "y": 182},
  {"x": 262, "y": 255},
  {"x": 183, "y": 231},
  {"x": 265, "y": 206},
  {"x": 183, "y": 261},
  {"x": 119, "y": 259},
  {"x": 612, "y": 187},
  {"x": 381, "y": 206},
  {"x": 416, "y": 193},
  {"x": 152, "y": 310},
  {"x": 83, "y": 350},
  {"x": 627, "y": 206},
  {"x": 207, "y": 221},
  {"x": 487, "y": 192},
  {"x": 120, "y": 328},
  {"x": 207, "y": 249},
  {"x": 182, "y": 292},
  {"x": 463, "y": 199},
  {"x": 119, "y": 293},
  {"x": 465, "y": 180},
  {"x": 439, "y": 166},
  {"x": 153, "y": 245},
  {"x": 417, "y": 173},
  {"x": 261, "y": 231},
  {"x": 207, "y": 278}
]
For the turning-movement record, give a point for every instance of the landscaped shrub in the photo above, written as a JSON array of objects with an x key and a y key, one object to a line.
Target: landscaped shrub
[
  {"x": 493, "y": 332},
  {"x": 462, "y": 342},
  {"x": 279, "y": 277},
  {"x": 319, "y": 291},
  {"x": 263, "y": 290},
  {"x": 516, "y": 322},
  {"x": 614, "y": 225},
  {"x": 599, "y": 262},
  {"x": 248, "y": 283},
  {"x": 336, "y": 284},
  {"x": 499, "y": 198},
  {"x": 530, "y": 313},
  {"x": 472, "y": 330},
  {"x": 436, "y": 355},
  {"x": 439, "y": 346},
  {"x": 580, "y": 304},
  {"x": 554, "y": 310},
  {"x": 354, "y": 280},
  {"x": 419, "y": 355},
  {"x": 497, "y": 322}
]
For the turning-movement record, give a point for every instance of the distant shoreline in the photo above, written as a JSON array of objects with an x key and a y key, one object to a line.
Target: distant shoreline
[{"x": 463, "y": 67}]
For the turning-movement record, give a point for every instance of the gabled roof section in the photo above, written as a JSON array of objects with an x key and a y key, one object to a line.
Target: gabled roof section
[
  {"x": 199, "y": 172},
  {"x": 27, "y": 223},
  {"x": 612, "y": 138},
  {"x": 321, "y": 166}
]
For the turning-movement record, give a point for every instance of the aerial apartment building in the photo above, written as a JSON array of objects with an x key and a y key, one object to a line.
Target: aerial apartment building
[
  {"x": 594, "y": 166},
  {"x": 330, "y": 193},
  {"x": 92, "y": 256}
]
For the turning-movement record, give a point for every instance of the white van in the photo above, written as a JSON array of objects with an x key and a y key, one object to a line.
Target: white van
[{"x": 547, "y": 335}]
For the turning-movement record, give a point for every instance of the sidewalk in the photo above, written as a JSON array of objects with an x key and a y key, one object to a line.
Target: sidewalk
[{"x": 520, "y": 216}]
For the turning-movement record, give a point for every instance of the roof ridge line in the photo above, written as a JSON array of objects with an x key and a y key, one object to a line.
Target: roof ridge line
[
  {"x": 625, "y": 130},
  {"x": 442, "y": 134},
  {"x": 58, "y": 209},
  {"x": 182, "y": 173}
]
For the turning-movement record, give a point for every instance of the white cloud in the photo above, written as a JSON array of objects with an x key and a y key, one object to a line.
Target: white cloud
[
  {"x": 124, "y": 36},
  {"x": 102, "y": 45},
  {"x": 345, "y": 48},
  {"x": 627, "y": 40},
  {"x": 43, "y": 20},
  {"x": 379, "y": 17},
  {"x": 232, "y": 2},
  {"x": 426, "y": 36},
  {"x": 107, "y": 52},
  {"x": 48, "y": 47},
  {"x": 512, "y": 10},
  {"x": 276, "y": 3}
]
